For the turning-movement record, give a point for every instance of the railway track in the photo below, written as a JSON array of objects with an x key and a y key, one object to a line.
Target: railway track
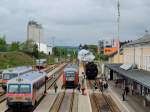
[
  {"x": 102, "y": 102},
  {"x": 49, "y": 84},
  {"x": 64, "y": 102},
  {"x": 2, "y": 97}
]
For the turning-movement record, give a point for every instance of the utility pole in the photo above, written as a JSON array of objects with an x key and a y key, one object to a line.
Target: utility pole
[
  {"x": 40, "y": 27},
  {"x": 118, "y": 32}
]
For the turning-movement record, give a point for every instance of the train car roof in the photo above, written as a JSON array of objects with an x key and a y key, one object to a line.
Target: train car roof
[
  {"x": 28, "y": 77},
  {"x": 18, "y": 69},
  {"x": 72, "y": 66},
  {"x": 70, "y": 69},
  {"x": 33, "y": 75}
]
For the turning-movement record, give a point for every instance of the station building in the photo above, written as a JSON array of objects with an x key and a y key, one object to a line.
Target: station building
[{"x": 134, "y": 69}]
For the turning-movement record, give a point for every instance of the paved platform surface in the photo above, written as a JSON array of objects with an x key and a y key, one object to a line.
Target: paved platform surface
[
  {"x": 3, "y": 106},
  {"x": 46, "y": 103},
  {"x": 84, "y": 104},
  {"x": 132, "y": 103}
]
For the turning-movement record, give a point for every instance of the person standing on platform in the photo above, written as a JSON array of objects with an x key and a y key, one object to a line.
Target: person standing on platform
[
  {"x": 55, "y": 87},
  {"x": 123, "y": 95},
  {"x": 79, "y": 87},
  {"x": 132, "y": 89},
  {"x": 83, "y": 88}
]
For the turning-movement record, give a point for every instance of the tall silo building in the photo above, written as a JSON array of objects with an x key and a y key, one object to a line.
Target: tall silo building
[{"x": 34, "y": 31}]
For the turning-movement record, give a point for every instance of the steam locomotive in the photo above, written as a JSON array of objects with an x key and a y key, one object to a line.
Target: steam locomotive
[{"x": 91, "y": 70}]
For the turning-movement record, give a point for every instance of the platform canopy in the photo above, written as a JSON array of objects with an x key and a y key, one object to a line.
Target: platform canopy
[{"x": 140, "y": 76}]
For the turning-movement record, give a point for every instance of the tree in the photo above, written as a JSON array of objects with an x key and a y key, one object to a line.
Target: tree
[
  {"x": 35, "y": 50},
  {"x": 56, "y": 51},
  {"x": 3, "y": 44},
  {"x": 103, "y": 57},
  {"x": 28, "y": 46},
  {"x": 15, "y": 46}
]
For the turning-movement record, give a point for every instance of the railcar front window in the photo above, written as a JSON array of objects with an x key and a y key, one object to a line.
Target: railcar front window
[
  {"x": 70, "y": 74},
  {"x": 13, "y": 89},
  {"x": 24, "y": 88}
]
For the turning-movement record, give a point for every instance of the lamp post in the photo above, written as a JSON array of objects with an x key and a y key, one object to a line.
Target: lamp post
[
  {"x": 118, "y": 31},
  {"x": 40, "y": 27}
]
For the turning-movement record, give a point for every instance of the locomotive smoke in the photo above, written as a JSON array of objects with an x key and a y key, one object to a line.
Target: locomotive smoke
[{"x": 85, "y": 55}]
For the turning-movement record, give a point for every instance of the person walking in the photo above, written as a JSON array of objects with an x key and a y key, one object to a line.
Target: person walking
[
  {"x": 132, "y": 89},
  {"x": 55, "y": 87},
  {"x": 95, "y": 85},
  {"x": 83, "y": 88},
  {"x": 123, "y": 95},
  {"x": 79, "y": 87},
  {"x": 126, "y": 90}
]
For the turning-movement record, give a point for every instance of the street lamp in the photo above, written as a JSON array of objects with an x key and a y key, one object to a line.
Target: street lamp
[{"x": 118, "y": 32}]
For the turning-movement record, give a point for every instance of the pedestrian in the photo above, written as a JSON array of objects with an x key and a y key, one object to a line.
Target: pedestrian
[
  {"x": 126, "y": 90},
  {"x": 83, "y": 88},
  {"x": 55, "y": 87},
  {"x": 132, "y": 89},
  {"x": 101, "y": 87},
  {"x": 123, "y": 95},
  {"x": 82, "y": 80},
  {"x": 105, "y": 85},
  {"x": 95, "y": 85},
  {"x": 79, "y": 87}
]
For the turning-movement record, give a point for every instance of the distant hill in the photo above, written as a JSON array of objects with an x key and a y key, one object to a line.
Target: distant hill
[
  {"x": 69, "y": 47},
  {"x": 12, "y": 59}
]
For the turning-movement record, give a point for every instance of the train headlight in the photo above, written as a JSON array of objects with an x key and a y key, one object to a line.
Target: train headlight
[
  {"x": 9, "y": 98},
  {"x": 28, "y": 99}
]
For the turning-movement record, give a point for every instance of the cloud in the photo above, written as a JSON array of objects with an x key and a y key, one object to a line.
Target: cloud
[{"x": 74, "y": 21}]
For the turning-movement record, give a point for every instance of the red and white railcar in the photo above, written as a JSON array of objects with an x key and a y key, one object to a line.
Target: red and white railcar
[
  {"x": 71, "y": 76},
  {"x": 26, "y": 90}
]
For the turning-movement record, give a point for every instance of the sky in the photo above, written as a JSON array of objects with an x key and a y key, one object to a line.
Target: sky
[{"x": 71, "y": 22}]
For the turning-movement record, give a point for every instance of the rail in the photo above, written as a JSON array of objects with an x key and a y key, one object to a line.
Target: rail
[
  {"x": 57, "y": 103},
  {"x": 102, "y": 102}
]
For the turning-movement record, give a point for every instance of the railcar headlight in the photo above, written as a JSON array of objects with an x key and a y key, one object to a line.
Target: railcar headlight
[
  {"x": 9, "y": 98},
  {"x": 29, "y": 99}
]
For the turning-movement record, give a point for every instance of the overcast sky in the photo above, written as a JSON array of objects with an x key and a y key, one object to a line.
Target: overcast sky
[{"x": 72, "y": 22}]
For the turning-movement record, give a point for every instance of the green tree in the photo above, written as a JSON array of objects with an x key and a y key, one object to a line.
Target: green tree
[
  {"x": 35, "y": 50},
  {"x": 28, "y": 46},
  {"x": 15, "y": 46},
  {"x": 3, "y": 44},
  {"x": 56, "y": 51},
  {"x": 103, "y": 57}
]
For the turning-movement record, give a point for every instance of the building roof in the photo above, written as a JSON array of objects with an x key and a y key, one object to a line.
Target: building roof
[
  {"x": 140, "y": 76},
  {"x": 142, "y": 40}
]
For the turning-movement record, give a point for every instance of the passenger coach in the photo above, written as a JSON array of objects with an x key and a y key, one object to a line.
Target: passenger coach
[
  {"x": 41, "y": 63},
  {"x": 26, "y": 90},
  {"x": 12, "y": 73}
]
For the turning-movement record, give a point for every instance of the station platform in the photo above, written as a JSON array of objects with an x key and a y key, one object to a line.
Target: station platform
[
  {"x": 84, "y": 104},
  {"x": 46, "y": 103},
  {"x": 132, "y": 103}
]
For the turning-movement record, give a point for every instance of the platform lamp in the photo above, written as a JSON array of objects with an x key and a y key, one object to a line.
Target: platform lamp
[
  {"x": 118, "y": 29},
  {"x": 40, "y": 27}
]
